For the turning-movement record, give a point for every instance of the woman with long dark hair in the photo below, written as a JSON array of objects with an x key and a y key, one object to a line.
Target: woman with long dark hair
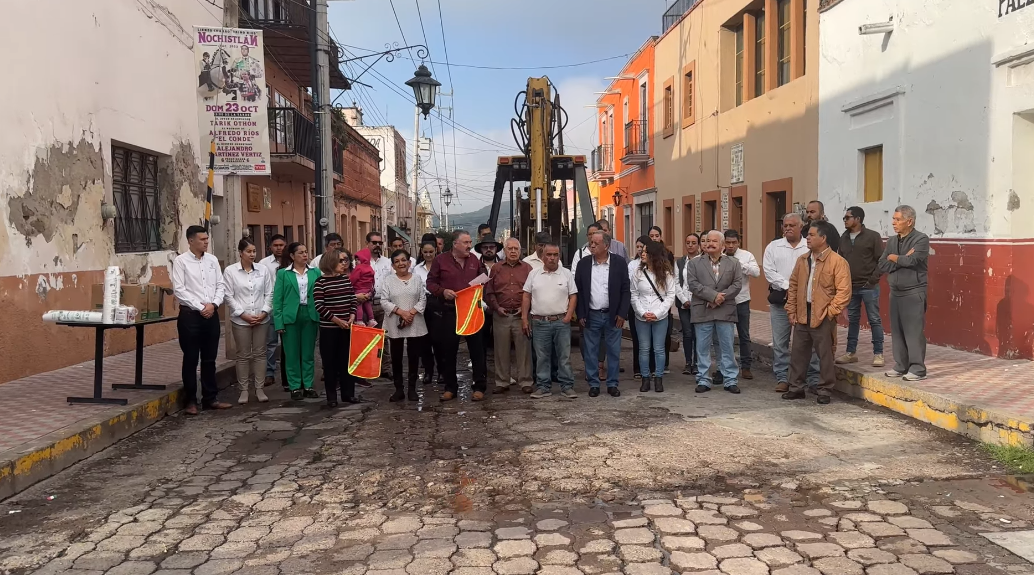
[
  {"x": 657, "y": 235},
  {"x": 249, "y": 297},
  {"x": 633, "y": 265},
  {"x": 654, "y": 288},
  {"x": 294, "y": 313}
]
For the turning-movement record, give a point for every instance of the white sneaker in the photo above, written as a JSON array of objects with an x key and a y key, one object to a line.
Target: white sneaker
[
  {"x": 913, "y": 377},
  {"x": 261, "y": 395},
  {"x": 244, "y": 397},
  {"x": 894, "y": 373}
]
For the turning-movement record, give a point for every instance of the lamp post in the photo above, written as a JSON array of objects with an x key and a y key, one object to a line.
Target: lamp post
[
  {"x": 448, "y": 201},
  {"x": 425, "y": 88}
]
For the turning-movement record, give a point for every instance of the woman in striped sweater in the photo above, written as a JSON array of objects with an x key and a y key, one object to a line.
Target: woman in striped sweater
[{"x": 335, "y": 302}]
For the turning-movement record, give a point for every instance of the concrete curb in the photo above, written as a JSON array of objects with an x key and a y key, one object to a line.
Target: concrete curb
[
  {"x": 57, "y": 451},
  {"x": 941, "y": 411}
]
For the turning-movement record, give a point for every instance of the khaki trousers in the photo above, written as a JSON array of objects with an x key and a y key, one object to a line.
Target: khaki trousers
[
  {"x": 505, "y": 330},
  {"x": 251, "y": 353}
]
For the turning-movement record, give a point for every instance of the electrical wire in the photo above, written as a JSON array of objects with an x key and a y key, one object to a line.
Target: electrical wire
[{"x": 482, "y": 67}]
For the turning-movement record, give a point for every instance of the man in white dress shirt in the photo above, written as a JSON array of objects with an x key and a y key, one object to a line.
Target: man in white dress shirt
[
  {"x": 779, "y": 259},
  {"x": 751, "y": 269},
  {"x": 277, "y": 244},
  {"x": 381, "y": 265},
  {"x": 197, "y": 283}
]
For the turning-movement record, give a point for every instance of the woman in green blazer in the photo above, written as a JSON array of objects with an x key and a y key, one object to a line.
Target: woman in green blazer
[{"x": 294, "y": 316}]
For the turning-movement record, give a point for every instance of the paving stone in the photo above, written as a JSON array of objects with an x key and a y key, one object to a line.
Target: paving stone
[
  {"x": 957, "y": 556},
  {"x": 762, "y": 540},
  {"x": 121, "y": 543},
  {"x": 633, "y": 522},
  {"x": 862, "y": 517},
  {"x": 846, "y": 525},
  {"x": 749, "y": 526},
  {"x": 846, "y": 504},
  {"x": 555, "y": 570},
  {"x": 647, "y": 569},
  {"x": 945, "y": 511},
  {"x": 830, "y": 521},
  {"x": 201, "y": 543},
  {"x": 676, "y": 543},
  {"x": 778, "y": 556},
  {"x": 314, "y": 543},
  {"x": 355, "y": 553},
  {"x": 869, "y": 557},
  {"x": 515, "y": 548},
  {"x": 930, "y": 537},
  {"x": 234, "y": 550},
  {"x": 852, "y": 539},
  {"x": 429, "y": 566},
  {"x": 474, "y": 540},
  {"x": 717, "y": 499},
  {"x": 560, "y": 557},
  {"x": 648, "y": 502},
  {"x": 404, "y": 541},
  {"x": 405, "y": 524},
  {"x": 926, "y": 564},
  {"x": 144, "y": 528},
  {"x": 665, "y": 510},
  {"x": 550, "y": 524},
  {"x": 688, "y": 503},
  {"x": 517, "y": 566},
  {"x": 441, "y": 531},
  {"x": 434, "y": 548},
  {"x": 796, "y": 570},
  {"x": 880, "y": 529},
  {"x": 674, "y": 525},
  {"x": 389, "y": 560},
  {"x": 887, "y": 507},
  {"x": 974, "y": 507},
  {"x": 901, "y": 545},
  {"x": 149, "y": 551},
  {"x": 640, "y": 553},
  {"x": 838, "y": 566},
  {"x": 819, "y": 550},
  {"x": 732, "y": 550},
  {"x": 818, "y": 512},
  {"x": 743, "y": 566},
  {"x": 248, "y": 534},
  {"x": 366, "y": 520},
  {"x": 184, "y": 560},
  {"x": 472, "y": 571},
  {"x": 797, "y": 535},
  {"x": 909, "y": 522},
  {"x": 513, "y": 533},
  {"x": 706, "y": 517},
  {"x": 133, "y": 568},
  {"x": 219, "y": 567},
  {"x": 551, "y": 539},
  {"x": 682, "y": 561},
  {"x": 738, "y": 511},
  {"x": 474, "y": 558},
  {"x": 436, "y": 520},
  {"x": 717, "y": 533},
  {"x": 890, "y": 569},
  {"x": 471, "y": 525},
  {"x": 634, "y": 536},
  {"x": 597, "y": 546}
]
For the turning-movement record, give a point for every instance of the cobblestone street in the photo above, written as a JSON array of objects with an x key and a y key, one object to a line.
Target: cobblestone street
[{"x": 643, "y": 484}]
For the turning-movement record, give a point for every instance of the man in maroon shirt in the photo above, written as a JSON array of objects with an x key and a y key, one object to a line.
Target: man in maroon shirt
[
  {"x": 504, "y": 294},
  {"x": 451, "y": 272}
]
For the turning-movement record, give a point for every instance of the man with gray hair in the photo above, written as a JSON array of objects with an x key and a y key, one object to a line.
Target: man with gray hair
[
  {"x": 780, "y": 257},
  {"x": 904, "y": 261},
  {"x": 603, "y": 281},
  {"x": 504, "y": 294},
  {"x": 714, "y": 280},
  {"x": 616, "y": 247}
]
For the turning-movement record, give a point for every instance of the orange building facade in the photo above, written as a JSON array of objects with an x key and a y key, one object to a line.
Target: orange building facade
[{"x": 622, "y": 162}]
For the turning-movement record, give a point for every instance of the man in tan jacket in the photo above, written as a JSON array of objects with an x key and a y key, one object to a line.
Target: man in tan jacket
[{"x": 820, "y": 289}]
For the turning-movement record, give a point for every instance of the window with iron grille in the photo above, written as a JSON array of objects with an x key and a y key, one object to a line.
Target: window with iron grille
[{"x": 134, "y": 179}]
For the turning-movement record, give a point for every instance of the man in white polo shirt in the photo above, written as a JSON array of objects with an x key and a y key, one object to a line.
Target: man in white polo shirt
[{"x": 550, "y": 296}]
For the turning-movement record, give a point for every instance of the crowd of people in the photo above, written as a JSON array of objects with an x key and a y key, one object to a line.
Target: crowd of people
[{"x": 288, "y": 303}]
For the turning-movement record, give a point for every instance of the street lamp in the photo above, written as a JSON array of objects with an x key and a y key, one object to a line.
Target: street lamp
[
  {"x": 424, "y": 89},
  {"x": 617, "y": 198}
]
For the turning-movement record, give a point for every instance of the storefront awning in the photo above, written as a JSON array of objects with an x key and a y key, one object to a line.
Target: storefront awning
[{"x": 403, "y": 234}]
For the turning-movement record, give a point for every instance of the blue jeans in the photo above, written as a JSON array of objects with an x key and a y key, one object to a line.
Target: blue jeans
[
  {"x": 871, "y": 298},
  {"x": 722, "y": 332},
  {"x": 653, "y": 339},
  {"x": 548, "y": 337},
  {"x": 781, "y": 347},
  {"x": 599, "y": 328},
  {"x": 689, "y": 337}
]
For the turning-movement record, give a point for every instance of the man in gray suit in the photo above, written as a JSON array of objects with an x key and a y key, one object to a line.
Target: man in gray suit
[{"x": 714, "y": 280}]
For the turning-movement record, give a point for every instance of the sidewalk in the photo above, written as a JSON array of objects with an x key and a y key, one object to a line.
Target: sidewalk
[
  {"x": 42, "y": 434},
  {"x": 982, "y": 397}
]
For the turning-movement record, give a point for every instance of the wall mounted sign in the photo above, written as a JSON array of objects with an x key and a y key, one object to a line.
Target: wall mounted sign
[{"x": 1006, "y": 7}]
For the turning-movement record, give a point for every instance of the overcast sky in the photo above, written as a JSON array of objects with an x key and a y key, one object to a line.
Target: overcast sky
[{"x": 497, "y": 34}]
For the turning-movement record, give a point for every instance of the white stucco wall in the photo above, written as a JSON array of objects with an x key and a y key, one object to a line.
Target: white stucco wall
[
  {"x": 932, "y": 94},
  {"x": 386, "y": 139},
  {"x": 91, "y": 72}
]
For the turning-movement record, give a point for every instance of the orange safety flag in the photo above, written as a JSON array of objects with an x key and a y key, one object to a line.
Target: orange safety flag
[
  {"x": 470, "y": 317},
  {"x": 364, "y": 352}
]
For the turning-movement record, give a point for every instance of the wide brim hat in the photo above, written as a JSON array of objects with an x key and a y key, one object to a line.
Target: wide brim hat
[{"x": 487, "y": 239}]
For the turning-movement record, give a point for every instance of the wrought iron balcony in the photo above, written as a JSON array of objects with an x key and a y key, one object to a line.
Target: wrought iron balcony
[
  {"x": 637, "y": 143},
  {"x": 675, "y": 12},
  {"x": 291, "y": 134},
  {"x": 603, "y": 161}
]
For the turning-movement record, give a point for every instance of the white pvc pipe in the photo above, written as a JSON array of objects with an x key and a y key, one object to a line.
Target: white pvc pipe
[{"x": 538, "y": 209}]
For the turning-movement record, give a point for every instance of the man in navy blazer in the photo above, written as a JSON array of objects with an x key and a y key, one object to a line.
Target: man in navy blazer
[{"x": 602, "y": 280}]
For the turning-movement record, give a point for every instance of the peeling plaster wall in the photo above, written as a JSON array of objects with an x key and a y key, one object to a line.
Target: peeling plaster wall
[
  {"x": 122, "y": 73},
  {"x": 955, "y": 118}
]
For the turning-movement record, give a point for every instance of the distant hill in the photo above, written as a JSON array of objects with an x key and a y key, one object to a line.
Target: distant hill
[{"x": 471, "y": 220}]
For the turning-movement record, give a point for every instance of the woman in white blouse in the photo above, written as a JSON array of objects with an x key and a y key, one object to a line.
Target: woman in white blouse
[
  {"x": 249, "y": 297},
  {"x": 654, "y": 288},
  {"x": 404, "y": 298}
]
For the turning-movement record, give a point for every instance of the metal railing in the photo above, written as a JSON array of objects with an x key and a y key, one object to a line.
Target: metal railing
[
  {"x": 675, "y": 12},
  {"x": 266, "y": 12},
  {"x": 636, "y": 142},
  {"x": 290, "y": 132},
  {"x": 603, "y": 158}
]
